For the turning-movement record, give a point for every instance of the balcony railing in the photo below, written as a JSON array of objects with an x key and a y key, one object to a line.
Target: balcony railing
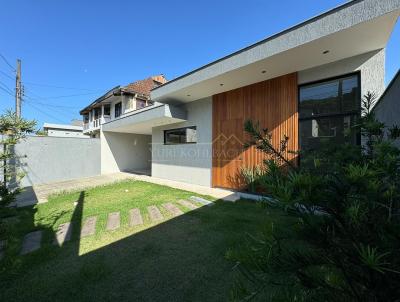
[{"x": 95, "y": 124}]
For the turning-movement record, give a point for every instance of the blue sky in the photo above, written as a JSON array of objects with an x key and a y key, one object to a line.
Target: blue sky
[{"x": 87, "y": 47}]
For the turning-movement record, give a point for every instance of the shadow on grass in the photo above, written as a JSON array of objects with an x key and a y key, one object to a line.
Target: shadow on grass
[{"x": 180, "y": 259}]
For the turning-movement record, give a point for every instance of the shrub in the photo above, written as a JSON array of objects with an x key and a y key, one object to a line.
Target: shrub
[{"x": 344, "y": 242}]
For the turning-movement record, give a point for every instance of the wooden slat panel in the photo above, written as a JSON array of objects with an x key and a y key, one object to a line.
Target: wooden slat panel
[{"x": 273, "y": 103}]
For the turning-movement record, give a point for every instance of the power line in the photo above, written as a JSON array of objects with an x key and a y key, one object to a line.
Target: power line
[
  {"x": 63, "y": 87},
  {"x": 7, "y": 88},
  {"x": 43, "y": 112},
  {"x": 5, "y": 60},
  {"x": 49, "y": 105},
  {"x": 7, "y": 75}
]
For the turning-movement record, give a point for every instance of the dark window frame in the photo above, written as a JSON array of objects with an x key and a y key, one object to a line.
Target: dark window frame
[
  {"x": 115, "y": 111},
  {"x": 176, "y": 129},
  {"x": 326, "y": 115}
]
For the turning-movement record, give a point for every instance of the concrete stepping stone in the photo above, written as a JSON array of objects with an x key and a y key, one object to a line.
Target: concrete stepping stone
[
  {"x": 63, "y": 233},
  {"x": 173, "y": 209},
  {"x": 135, "y": 218},
  {"x": 187, "y": 204},
  {"x": 113, "y": 221},
  {"x": 89, "y": 226},
  {"x": 201, "y": 200},
  {"x": 154, "y": 213},
  {"x": 31, "y": 242}
]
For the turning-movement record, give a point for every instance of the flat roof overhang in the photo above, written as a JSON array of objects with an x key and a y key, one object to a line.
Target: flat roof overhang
[
  {"x": 142, "y": 121},
  {"x": 352, "y": 29}
]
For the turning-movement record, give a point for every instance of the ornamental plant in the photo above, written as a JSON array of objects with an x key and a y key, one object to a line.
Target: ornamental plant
[{"x": 341, "y": 236}]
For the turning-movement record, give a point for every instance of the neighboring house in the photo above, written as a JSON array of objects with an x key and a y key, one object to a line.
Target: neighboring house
[
  {"x": 117, "y": 102},
  {"x": 387, "y": 109},
  {"x": 61, "y": 130},
  {"x": 305, "y": 82}
]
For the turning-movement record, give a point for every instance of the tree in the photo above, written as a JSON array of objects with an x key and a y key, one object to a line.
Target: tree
[
  {"x": 344, "y": 204},
  {"x": 12, "y": 130}
]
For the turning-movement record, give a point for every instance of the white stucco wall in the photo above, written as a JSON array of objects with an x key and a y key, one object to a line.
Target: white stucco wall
[
  {"x": 371, "y": 65},
  {"x": 190, "y": 163},
  {"x": 66, "y": 133},
  {"x": 124, "y": 152}
]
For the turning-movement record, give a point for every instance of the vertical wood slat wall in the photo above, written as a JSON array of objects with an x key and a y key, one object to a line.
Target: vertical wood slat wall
[{"x": 273, "y": 103}]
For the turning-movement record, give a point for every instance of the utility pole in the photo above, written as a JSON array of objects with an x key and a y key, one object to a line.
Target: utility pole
[{"x": 18, "y": 90}]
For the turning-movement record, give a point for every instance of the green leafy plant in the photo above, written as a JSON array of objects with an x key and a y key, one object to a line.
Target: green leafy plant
[
  {"x": 344, "y": 243},
  {"x": 12, "y": 130},
  {"x": 251, "y": 176}
]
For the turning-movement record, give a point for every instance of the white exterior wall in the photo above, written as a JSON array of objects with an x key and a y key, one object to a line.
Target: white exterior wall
[
  {"x": 124, "y": 152},
  {"x": 371, "y": 66},
  {"x": 66, "y": 133},
  {"x": 190, "y": 163}
]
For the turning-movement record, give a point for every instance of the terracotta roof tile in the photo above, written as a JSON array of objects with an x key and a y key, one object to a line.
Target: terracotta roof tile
[{"x": 144, "y": 86}]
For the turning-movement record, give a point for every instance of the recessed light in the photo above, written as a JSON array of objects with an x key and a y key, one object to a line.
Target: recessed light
[
  {"x": 188, "y": 95},
  {"x": 221, "y": 84},
  {"x": 325, "y": 52},
  {"x": 264, "y": 71}
]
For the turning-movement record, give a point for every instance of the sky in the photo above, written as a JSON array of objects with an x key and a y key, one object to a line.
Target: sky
[{"x": 73, "y": 51}]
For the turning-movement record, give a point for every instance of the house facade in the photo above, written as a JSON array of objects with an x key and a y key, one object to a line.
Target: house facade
[
  {"x": 62, "y": 130},
  {"x": 305, "y": 82},
  {"x": 117, "y": 102}
]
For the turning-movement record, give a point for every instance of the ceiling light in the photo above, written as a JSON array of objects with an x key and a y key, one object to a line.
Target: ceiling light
[
  {"x": 188, "y": 95},
  {"x": 264, "y": 71},
  {"x": 221, "y": 84},
  {"x": 325, "y": 52}
]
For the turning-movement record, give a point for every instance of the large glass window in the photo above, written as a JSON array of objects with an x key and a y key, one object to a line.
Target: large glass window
[
  {"x": 186, "y": 135},
  {"x": 327, "y": 110}
]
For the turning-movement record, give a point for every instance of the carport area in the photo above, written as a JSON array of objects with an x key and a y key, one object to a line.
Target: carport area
[{"x": 126, "y": 141}]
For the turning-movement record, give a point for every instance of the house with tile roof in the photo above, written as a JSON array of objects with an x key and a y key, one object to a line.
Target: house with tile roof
[{"x": 118, "y": 102}]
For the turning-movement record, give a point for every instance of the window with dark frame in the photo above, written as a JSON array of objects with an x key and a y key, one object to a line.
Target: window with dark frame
[
  {"x": 186, "y": 135},
  {"x": 107, "y": 109},
  {"x": 327, "y": 111},
  {"x": 117, "y": 109},
  {"x": 140, "y": 104}
]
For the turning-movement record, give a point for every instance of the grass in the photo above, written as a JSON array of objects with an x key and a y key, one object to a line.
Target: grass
[{"x": 179, "y": 259}]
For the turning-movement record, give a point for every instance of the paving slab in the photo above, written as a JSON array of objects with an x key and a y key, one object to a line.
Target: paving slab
[
  {"x": 113, "y": 221},
  {"x": 89, "y": 226},
  {"x": 63, "y": 233},
  {"x": 135, "y": 218},
  {"x": 173, "y": 209},
  {"x": 154, "y": 213},
  {"x": 31, "y": 242},
  {"x": 201, "y": 200},
  {"x": 187, "y": 204}
]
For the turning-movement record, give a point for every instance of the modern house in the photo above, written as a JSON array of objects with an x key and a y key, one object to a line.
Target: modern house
[
  {"x": 305, "y": 82},
  {"x": 117, "y": 102},
  {"x": 62, "y": 130}
]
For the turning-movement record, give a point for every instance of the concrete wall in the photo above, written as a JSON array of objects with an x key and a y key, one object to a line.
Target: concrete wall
[
  {"x": 66, "y": 133},
  {"x": 124, "y": 152},
  {"x": 387, "y": 110},
  {"x": 49, "y": 159},
  {"x": 371, "y": 65},
  {"x": 190, "y": 163}
]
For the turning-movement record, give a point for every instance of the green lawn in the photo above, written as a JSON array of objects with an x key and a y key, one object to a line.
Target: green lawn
[{"x": 178, "y": 259}]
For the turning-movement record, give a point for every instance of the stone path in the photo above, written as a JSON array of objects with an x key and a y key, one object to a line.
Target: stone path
[
  {"x": 155, "y": 214},
  {"x": 201, "y": 200},
  {"x": 135, "y": 218},
  {"x": 89, "y": 227},
  {"x": 187, "y": 204},
  {"x": 173, "y": 209},
  {"x": 63, "y": 233},
  {"x": 31, "y": 242},
  {"x": 113, "y": 221}
]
